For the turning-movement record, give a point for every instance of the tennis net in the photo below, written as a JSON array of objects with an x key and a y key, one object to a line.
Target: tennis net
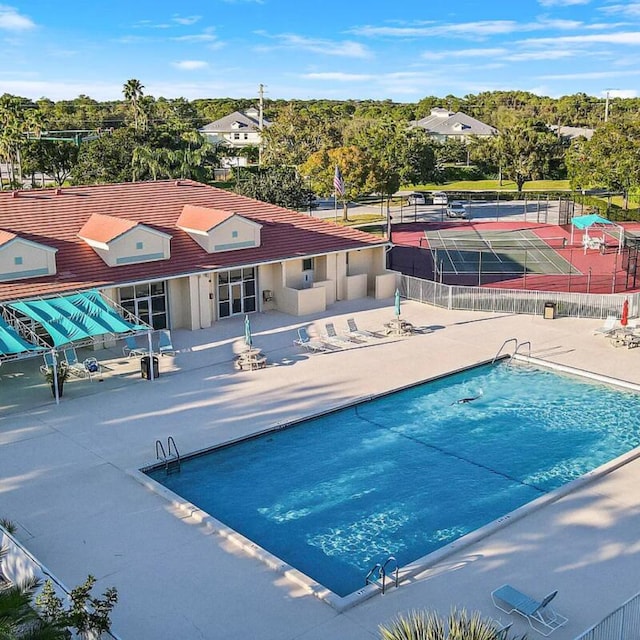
[{"x": 502, "y": 244}]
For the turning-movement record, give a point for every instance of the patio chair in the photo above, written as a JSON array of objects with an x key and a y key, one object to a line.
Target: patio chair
[
  {"x": 332, "y": 337},
  {"x": 131, "y": 348},
  {"x": 164, "y": 344},
  {"x": 92, "y": 367},
  {"x": 310, "y": 344},
  {"x": 352, "y": 330},
  {"x": 48, "y": 363},
  {"x": 607, "y": 327},
  {"x": 75, "y": 367},
  {"x": 540, "y": 615}
]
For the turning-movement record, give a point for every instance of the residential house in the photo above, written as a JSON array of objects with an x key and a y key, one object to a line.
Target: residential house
[
  {"x": 443, "y": 124},
  {"x": 180, "y": 254},
  {"x": 237, "y": 130}
]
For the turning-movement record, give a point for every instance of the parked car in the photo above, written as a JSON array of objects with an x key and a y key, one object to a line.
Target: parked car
[
  {"x": 439, "y": 197},
  {"x": 456, "y": 210},
  {"x": 418, "y": 197}
]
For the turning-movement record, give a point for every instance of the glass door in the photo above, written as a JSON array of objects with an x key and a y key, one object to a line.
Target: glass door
[{"x": 236, "y": 292}]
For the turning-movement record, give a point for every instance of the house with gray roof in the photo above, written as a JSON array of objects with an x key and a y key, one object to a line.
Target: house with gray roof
[
  {"x": 238, "y": 129},
  {"x": 443, "y": 124},
  {"x": 571, "y": 133}
]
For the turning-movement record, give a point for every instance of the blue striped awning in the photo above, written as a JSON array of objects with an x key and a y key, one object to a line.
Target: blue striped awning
[
  {"x": 11, "y": 343},
  {"x": 80, "y": 316}
]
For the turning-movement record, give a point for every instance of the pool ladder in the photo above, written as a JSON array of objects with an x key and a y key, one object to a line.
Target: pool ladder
[
  {"x": 170, "y": 456},
  {"x": 379, "y": 572},
  {"x": 518, "y": 346}
]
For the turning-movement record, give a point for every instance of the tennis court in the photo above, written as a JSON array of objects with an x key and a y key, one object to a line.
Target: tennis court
[{"x": 495, "y": 252}]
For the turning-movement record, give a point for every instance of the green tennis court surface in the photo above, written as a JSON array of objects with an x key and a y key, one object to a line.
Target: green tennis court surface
[{"x": 497, "y": 252}]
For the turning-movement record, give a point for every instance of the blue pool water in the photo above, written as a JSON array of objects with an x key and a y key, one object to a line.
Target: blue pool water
[{"x": 410, "y": 472}]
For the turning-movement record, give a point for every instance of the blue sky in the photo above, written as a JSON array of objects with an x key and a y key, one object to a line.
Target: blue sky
[{"x": 336, "y": 49}]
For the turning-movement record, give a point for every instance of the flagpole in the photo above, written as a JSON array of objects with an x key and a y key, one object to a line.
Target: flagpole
[{"x": 335, "y": 206}]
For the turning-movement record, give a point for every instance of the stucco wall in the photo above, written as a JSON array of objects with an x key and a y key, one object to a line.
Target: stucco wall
[
  {"x": 125, "y": 250},
  {"x": 36, "y": 261},
  {"x": 222, "y": 238}
]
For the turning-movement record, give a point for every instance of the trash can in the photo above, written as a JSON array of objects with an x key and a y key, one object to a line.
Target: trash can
[
  {"x": 145, "y": 367},
  {"x": 549, "y": 312}
]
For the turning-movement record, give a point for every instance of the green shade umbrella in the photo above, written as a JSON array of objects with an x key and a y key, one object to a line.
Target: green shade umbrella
[
  {"x": 248, "y": 340},
  {"x": 397, "y": 303}
]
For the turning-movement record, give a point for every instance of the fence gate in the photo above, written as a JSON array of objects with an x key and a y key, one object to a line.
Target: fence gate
[
  {"x": 630, "y": 262},
  {"x": 566, "y": 211}
]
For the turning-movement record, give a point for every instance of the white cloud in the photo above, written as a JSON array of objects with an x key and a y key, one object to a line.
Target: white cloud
[
  {"x": 546, "y": 54},
  {"x": 190, "y": 65},
  {"x": 590, "y": 75},
  {"x": 345, "y": 48},
  {"x": 186, "y": 20},
  {"x": 339, "y": 76},
  {"x": 623, "y": 37},
  {"x": 620, "y": 93},
  {"x": 463, "y": 53},
  {"x": 11, "y": 20},
  {"x": 207, "y": 36},
  {"x": 632, "y": 9},
  {"x": 562, "y": 3},
  {"x": 471, "y": 30}
]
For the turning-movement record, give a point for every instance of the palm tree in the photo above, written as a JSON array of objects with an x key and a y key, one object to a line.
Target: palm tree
[
  {"x": 19, "y": 620},
  {"x": 132, "y": 90},
  {"x": 420, "y": 625},
  {"x": 148, "y": 159}
]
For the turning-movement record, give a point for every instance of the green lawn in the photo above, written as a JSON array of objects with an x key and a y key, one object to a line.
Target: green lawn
[{"x": 491, "y": 185}]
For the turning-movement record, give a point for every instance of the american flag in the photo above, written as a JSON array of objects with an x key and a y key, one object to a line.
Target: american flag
[{"x": 338, "y": 182}]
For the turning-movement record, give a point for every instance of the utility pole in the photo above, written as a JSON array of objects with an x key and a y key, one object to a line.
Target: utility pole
[
  {"x": 260, "y": 120},
  {"x": 606, "y": 107}
]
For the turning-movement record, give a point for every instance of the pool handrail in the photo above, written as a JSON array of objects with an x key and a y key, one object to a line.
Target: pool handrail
[{"x": 506, "y": 342}]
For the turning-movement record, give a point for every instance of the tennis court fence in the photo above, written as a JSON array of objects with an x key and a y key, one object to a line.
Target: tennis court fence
[{"x": 470, "y": 298}]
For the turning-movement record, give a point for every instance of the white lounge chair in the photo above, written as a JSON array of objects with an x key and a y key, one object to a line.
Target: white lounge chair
[
  {"x": 354, "y": 332},
  {"x": 332, "y": 337},
  {"x": 76, "y": 368},
  {"x": 310, "y": 344},
  {"x": 541, "y": 616},
  {"x": 47, "y": 357},
  {"x": 131, "y": 347},
  {"x": 164, "y": 344},
  {"x": 607, "y": 327}
]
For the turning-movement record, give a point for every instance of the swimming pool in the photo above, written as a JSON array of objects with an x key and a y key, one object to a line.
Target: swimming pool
[{"x": 410, "y": 472}]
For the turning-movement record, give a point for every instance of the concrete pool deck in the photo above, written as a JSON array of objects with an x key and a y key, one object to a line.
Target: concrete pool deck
[{"x": 65, "y": 478}]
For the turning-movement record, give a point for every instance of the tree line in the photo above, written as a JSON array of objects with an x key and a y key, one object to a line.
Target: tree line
[{"x": 373, "y": 142}]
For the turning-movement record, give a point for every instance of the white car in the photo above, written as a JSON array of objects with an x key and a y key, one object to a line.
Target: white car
[
  {"x": 456, "y": 210},
  {"x": 440, "y": 197}
]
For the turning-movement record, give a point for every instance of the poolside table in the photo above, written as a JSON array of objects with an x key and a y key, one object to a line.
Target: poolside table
[{"x": 251, "y": 359}]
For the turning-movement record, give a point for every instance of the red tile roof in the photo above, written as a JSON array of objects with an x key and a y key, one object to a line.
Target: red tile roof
[
  {"x": 54, "y": 219},
  {"x": 202, "y": 218},
  {"x": 5, "y": 237},
  {"x": 101, "y": 228}
]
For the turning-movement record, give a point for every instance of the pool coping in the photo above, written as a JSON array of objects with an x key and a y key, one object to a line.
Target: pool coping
[{"x": 343, "y": 603}]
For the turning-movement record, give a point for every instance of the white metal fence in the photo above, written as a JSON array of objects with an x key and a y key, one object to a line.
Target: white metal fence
[
  {"x": 621, "y": 624},
  {"x": 577, "y": 305}
]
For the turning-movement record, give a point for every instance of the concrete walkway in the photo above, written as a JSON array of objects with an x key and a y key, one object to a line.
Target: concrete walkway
[{"x": 65, "y": 478}]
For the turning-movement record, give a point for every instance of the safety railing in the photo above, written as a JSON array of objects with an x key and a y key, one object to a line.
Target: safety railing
[{"x": 621, "y": 624}]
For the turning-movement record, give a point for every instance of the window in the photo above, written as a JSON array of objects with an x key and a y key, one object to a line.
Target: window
[
  {"x": 246, "y": 136},
  {"x": 17, "y": 260},
  {"x": 236, "y": 292},
  {"x": 148, "y": 302},
  {"x": 236, "y": 136},
  {"x": 234, "y": 234},
  {"x": 139, "y": 246},
  {"x": 307, "y": 264}
]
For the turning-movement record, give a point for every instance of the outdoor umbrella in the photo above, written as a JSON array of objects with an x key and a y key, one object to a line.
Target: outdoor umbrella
[
  {"x": 248, "y": 340},
  {"x": 397, "y": 303},
  {"x": 624, "y": 320}
]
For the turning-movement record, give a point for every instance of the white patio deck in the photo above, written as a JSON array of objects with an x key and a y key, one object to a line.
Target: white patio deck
[{"x": 65, "y": 481}]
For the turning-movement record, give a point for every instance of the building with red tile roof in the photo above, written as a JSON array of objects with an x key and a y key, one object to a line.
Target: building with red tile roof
[{"x": 183, "y": 254}]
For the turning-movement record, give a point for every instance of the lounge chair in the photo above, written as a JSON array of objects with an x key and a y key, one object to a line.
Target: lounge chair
[
  {"x": 310, "y": 344},
  {"x": 607, "y": 327},
  {"x": 541, "y": 616},
  {"x": 332, "y": 337},
  {"x": 132, "y": 349},
  {"x": 76, "y": 368},
  {"x": 164, "y": 344},
  {"x": 45, "y": 368},
  {"x": 354, "y": 332}
]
